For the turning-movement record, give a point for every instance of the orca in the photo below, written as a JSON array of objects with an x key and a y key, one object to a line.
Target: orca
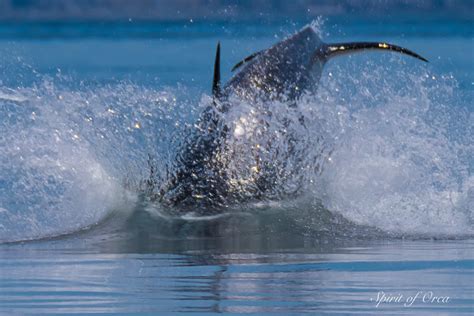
[{"x": 202, "y": 181}]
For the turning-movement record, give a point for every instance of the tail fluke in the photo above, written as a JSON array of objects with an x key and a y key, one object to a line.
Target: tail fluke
[
  {"x": 336, "y": 49},
  {"x": 216, "y": 81}
]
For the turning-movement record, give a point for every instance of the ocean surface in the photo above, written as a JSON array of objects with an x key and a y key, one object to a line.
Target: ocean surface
[{"x": 385, "y": 228}]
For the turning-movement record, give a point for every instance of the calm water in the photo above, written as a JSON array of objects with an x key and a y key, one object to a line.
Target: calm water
[{"x": 387, "y": 227}]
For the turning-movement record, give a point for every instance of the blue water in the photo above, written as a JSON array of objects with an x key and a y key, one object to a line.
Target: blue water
[{"x": 389, "y": 220}]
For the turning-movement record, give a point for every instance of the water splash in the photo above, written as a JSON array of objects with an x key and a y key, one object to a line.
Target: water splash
[
  {"x": 69, "y": 153},
  {"x": 403, "y": 150},
  {"x": 391, "y": 149}
]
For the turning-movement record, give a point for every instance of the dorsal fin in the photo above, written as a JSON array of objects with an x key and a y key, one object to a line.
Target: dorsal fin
[
  {"x": 246, "y": 60},
  {"x": 216, "y": 81}
]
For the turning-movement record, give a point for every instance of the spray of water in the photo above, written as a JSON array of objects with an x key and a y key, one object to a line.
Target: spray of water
[
  {"x": 403, "y": 149},
  {"x": 386, "y": 148}
]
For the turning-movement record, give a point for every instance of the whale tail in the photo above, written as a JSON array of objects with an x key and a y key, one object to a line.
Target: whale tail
[{"x": 336, "y": 49}]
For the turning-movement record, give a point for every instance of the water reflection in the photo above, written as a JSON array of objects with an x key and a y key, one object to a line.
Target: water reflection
[
  {"x": 42, "y": 280},
  {"x": 270, "y": 261},
  {"x": 256, "y": 231}
]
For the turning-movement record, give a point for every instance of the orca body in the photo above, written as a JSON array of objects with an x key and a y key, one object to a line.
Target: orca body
[{"x": 202, "y": 182}]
